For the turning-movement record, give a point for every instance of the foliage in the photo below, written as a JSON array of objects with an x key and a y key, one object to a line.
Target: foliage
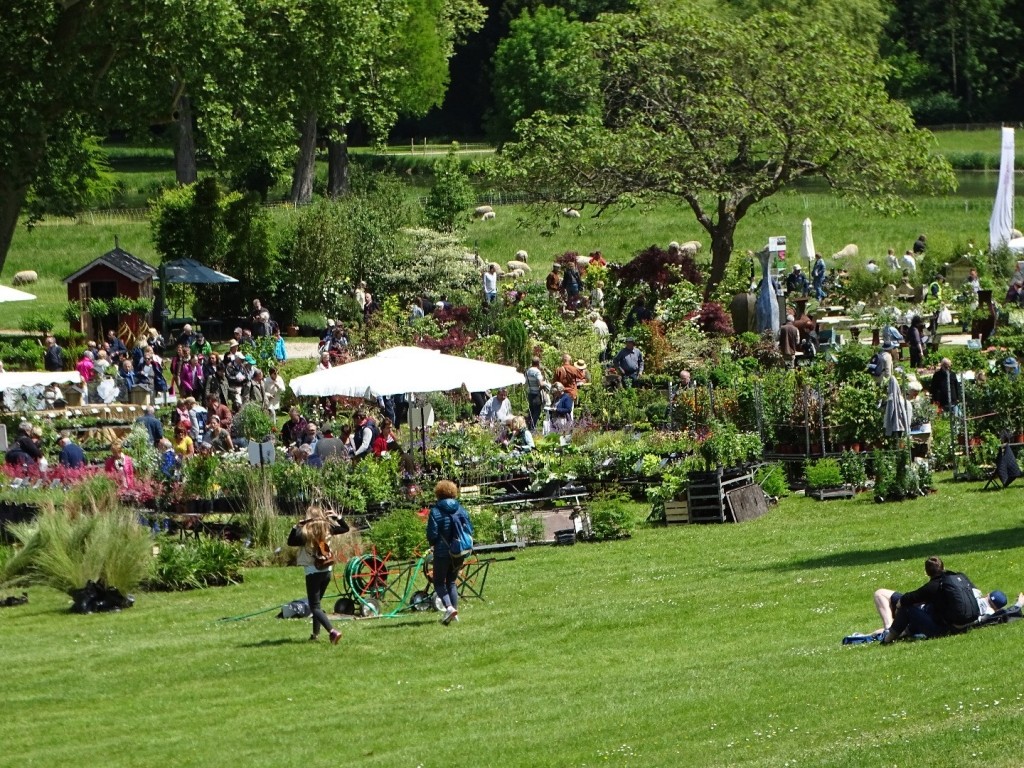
[
  {"x": 713, "y": 320},
  {"x": 854, "y": 468},
  {"x": 254, "y": 422},
  {"x": 721, "y": 117},
  {"x": 657, "y": 270},
  {"x": 66, "y": 551},
  {"x": 401, "y": 533},
  {"x": 540, "y": 65},
  {"x": 198, "y": 475},
  {"x": 855, "y": 411},
  {"x": 451, "y": 194},
  {"x": 334, "y": 244},
  {"x": 37, "y": 322},
  {"x": 611, "y": 518},
  {"x": 772, "y": 479},
  {"x": 726, "y": 446},
  {"x": 227, "y": 232},
  {"x": 898, "y": 476},
  {"x": 823, "y": 473},
  {"x": 196, "y": 563}
]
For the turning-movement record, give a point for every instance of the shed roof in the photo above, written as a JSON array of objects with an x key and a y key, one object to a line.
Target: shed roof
[{"x": 121, "y": 261}]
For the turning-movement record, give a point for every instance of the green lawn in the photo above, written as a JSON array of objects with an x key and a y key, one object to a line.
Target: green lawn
[{"x": 695, "y": 646}]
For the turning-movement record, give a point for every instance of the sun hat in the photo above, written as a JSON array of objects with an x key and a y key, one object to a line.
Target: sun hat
[
  {"x": 233, "y": 343},
  {"x": 1010, "y": 362},
  {"x": 797, "y": 268},
  {"x": 997, "y": 598},
  {"x": 581, "y": 364}
]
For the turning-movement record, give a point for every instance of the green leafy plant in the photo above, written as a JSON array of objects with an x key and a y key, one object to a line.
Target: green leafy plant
[
  {"x": 823, "y": 473},
  {"x": 400, "y": 532},
  {"x": 772, "y": 479},
  {"x": 195, "y": 564},
  {"x": 611, "y": 518},
  {"x": 254, "y": 423},
  {"x": 853, "y": 467}
]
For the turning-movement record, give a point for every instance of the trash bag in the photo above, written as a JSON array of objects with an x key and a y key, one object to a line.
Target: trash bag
[{"x": 97, "y": 598}]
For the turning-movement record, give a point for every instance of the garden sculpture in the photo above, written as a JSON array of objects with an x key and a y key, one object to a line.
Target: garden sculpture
[{"x": 767, "y": 300}]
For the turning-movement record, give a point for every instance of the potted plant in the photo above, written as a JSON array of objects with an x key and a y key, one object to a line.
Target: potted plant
[{"x": 825, "y": 480}]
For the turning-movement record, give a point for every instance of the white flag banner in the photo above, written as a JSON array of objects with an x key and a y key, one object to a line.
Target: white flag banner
[{"x": 1000, "y": 226}]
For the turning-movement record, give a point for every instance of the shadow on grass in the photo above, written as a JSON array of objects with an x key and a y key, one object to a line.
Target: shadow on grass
[
  {"x": 389, "y": 624},
  {"x": 1008, "y": 538},
  {"x": 279, "y": 641}
]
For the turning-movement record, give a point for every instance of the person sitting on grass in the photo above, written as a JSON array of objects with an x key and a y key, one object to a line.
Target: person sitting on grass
[
  {"x": 944, "y": 605},
  {"x": 886, "y": 600}
]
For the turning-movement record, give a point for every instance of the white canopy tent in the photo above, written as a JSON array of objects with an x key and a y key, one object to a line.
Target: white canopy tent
[
  {"x": 13, "y": 294},
  {"x": 402, "y": 370},
  {"x": 19, "y": 379}
]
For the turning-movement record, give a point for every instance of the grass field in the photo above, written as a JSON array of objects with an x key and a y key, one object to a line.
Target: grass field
[{"x": 695, "y": 646}]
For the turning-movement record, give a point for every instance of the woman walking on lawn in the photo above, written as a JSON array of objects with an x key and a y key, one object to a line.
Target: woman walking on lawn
[
  {"x": 441, "y": 529},
  {"x": 313, "y": 537}
]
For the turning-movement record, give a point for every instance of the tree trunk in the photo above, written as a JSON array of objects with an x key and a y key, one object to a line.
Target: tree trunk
[
  {"x": 12, "y": 198},
  {"x": 305, "y": 164},
  {"x": 185, "y": 145},
  {"x": 721, "y": 251},
  {"x": 337, "y": 167}
]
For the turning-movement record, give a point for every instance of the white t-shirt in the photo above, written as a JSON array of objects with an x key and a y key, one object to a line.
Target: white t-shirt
[
  {"x": 496, "y": 409},
  {"x": 490, "y": 282},
  {"x": 909, "y": 263},
  {"x": 984, "y": 607},
  {"x": 601, "y": 329}
]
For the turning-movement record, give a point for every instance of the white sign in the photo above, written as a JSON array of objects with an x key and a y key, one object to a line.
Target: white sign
[{"x": 777, "y": 246}]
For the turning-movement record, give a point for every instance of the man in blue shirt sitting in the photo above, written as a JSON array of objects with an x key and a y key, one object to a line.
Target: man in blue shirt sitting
[{"x": 71, "y": 454}]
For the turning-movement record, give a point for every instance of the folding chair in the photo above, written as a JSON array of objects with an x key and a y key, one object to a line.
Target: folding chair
[{"x": 1006, "y": 470}]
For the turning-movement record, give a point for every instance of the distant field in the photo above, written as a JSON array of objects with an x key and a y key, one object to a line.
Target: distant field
[{"x": 59, "y": 247}]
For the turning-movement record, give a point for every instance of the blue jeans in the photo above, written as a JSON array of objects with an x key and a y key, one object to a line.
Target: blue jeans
[
  {"x": 819, "y": 290},
  {"x": 446, "y": 579}
]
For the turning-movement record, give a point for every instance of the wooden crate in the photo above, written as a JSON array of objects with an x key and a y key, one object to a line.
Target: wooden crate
[
  {"x": 705, "y": 493},
  {"x": 677, "y": 511}
]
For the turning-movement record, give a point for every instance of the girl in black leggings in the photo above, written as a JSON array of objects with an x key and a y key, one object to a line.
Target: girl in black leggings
[{"x": 308, "y": 534}]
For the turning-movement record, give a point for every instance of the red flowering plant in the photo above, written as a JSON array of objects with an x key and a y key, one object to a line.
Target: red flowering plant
[
  {"x": 66, "y": 476},
  {"x": 142, "y": 493}
]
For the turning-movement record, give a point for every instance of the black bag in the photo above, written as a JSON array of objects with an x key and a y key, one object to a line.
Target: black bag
[
  {"x": 875, "y": 363},
  {"x": 959, "y": 605}
]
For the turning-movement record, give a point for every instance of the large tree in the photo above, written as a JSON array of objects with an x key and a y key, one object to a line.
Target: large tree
[
  {"x": 538, "y": 67},
  {"x": 720, "y": 116}
]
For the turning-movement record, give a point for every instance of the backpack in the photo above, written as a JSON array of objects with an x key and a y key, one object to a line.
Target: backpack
[
  {"x": 322, "y": 556},
  {"x": 461, "y": 542},
  {"x": 875, "y": 363},
  {"x": 959, "y": 605}
]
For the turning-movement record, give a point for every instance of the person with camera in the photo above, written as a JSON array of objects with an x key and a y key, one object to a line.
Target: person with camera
[{"x": 312, "y": 536}]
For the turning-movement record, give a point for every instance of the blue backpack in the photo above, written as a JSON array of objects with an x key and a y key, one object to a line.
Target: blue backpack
[{"x": 461, "y": 542}]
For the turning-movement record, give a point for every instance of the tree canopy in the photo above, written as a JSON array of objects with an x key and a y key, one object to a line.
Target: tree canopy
[{"x": 720, "y": 117}]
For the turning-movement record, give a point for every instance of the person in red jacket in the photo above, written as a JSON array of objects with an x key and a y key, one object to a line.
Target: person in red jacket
[{"x": 386, "y": 440}]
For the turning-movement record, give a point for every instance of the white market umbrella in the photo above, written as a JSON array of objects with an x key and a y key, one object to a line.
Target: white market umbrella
[
  {"x": 807, "y": 243},
  {"x": 1000, "y": 225},
  {"x": 13, "y": 294},
  {"x": 402, "y": 370}
]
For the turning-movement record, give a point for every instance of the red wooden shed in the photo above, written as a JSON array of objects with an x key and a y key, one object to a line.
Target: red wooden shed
[{"x": 115, "y": 273}]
